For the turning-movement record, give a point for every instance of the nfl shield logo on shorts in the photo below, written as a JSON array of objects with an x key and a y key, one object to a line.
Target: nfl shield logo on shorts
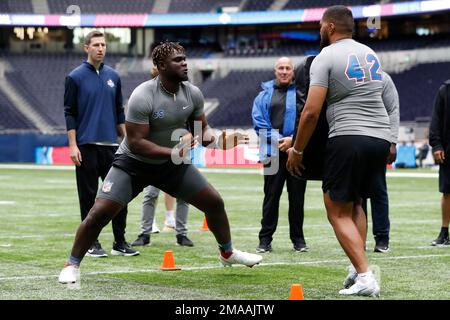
[{"x": 107, "y": 186}]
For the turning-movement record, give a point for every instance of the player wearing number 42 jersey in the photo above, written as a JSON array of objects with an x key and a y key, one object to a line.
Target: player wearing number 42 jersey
[{"x": 348, "y": 75}]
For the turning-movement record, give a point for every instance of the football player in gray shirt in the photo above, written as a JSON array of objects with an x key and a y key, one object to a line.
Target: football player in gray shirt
[
  {"x": 158, "y": 111},
  {"x": 348, "y": 74}
]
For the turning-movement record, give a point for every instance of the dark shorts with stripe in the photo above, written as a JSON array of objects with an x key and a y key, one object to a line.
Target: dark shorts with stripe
[
  {"x": 128, "y": 177},
  {"x": 444, "y": 178},
  {"x": 351, "y": 165}
]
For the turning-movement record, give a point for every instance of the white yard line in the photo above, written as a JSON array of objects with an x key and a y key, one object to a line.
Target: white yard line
[
  {"x": 7, "y": 202},
  {"x": 196, "y": 229},
  {"x": 444, "y": 247},
  {"x": 35, "y": 167},
  {"x": 412, "y": 175},
  {"x": 211, "y": 170},
  {"x": 220, "y": 267},
  {"x": 61, "y": 181}
]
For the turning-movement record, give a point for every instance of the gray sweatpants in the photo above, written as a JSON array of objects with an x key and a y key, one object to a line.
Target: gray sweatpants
[{"x": 151, "y": 194}]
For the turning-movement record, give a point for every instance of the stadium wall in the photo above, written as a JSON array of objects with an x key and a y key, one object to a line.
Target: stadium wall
[{"x": 21, "y": 147}]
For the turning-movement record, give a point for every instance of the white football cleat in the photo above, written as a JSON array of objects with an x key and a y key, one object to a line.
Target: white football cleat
[
  {"x": 364, "y": 286},
  {"x": 241, "y": 257},
  {"x": 351, "y": 277},
  {"x": 69, "y": 274}
]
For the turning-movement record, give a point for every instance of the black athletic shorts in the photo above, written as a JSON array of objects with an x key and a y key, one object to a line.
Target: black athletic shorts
[
  {"x": 351, "y": 164},
  {"x": 128, "y": 177},
  {"x": 444, "y": 178}
]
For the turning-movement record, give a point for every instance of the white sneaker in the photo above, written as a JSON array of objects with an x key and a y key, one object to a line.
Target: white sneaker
[
  {"x": 351, "y": 277},
  {"x": 241, "y": 257},
  {"x": 69, "y": 274},
  {"x": 366, "y": 286},
  {"x": 155, "y": 228},
  {"x": 168, "y": 229}
]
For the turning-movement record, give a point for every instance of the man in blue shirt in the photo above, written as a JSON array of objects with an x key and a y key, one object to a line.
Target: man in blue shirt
[{"x": 95, "y": 123}]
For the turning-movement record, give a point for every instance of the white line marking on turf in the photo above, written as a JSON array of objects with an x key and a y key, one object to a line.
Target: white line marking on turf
[
  {"x": 35, "y": 167},
  {"x": 38, "y": 236},
  {"x": 411, "y": 175},
  {"x": 434, "y": 247},
  {"x": 7, "y": 202},
  {"x": 233, "y": 229},
  {"x": 211, "y": 170},
  {"x": 220, "y": 267},
  {"x": 62, "y": 181}
]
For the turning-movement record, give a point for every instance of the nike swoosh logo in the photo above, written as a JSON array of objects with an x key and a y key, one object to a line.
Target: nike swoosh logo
[{"x": 184, "y": 108}]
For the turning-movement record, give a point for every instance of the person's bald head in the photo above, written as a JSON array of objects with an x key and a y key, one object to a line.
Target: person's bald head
[{"x": 284, "y": 71}]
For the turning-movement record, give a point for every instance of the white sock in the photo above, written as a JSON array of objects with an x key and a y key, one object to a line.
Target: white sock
[
  {"x": 170, "y": 214},
  {"x": 365, "y": 276},
  {"x": 170, "y": 217}
]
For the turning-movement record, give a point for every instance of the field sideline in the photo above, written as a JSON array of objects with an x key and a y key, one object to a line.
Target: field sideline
[{"x": 39, "y": 211}]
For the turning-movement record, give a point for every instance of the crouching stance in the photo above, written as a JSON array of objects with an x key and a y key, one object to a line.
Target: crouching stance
[{"x": 158, "y": 111}]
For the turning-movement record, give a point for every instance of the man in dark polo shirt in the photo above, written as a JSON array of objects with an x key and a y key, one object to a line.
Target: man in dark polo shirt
[
  {"x": 439, "y": 141},
  {"x": 274, "y": 114},
  {"x": 95, "y": 120}
]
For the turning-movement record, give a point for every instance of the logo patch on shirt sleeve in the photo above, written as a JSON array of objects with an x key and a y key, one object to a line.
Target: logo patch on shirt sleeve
[
  {"x": 110, "y": 83},
  {"x": 107, "y": 185}
]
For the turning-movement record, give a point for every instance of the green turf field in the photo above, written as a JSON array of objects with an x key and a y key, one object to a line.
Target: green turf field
[{"x": 39, "y": 216}]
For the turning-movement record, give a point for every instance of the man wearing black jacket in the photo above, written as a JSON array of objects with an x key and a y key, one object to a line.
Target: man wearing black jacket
[
  {"x": 315, "y": 151},
  {"x": 439, "y": 141}
]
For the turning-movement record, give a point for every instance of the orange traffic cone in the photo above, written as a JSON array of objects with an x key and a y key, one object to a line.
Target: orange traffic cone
[
  {"x": 296, "y": 292},
  {"x": 205, "y": 225},
  {"x": 168, "y": 262}
]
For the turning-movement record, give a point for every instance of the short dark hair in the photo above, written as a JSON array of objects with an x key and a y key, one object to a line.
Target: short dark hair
[
  {"x": 165, "y": 49},
  {"x": 341, "y": 16},
  {"x": 92, "y": 34}
]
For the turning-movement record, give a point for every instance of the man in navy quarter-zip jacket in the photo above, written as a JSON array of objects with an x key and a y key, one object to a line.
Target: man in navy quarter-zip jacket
[{"x": 95, "y": 123}]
